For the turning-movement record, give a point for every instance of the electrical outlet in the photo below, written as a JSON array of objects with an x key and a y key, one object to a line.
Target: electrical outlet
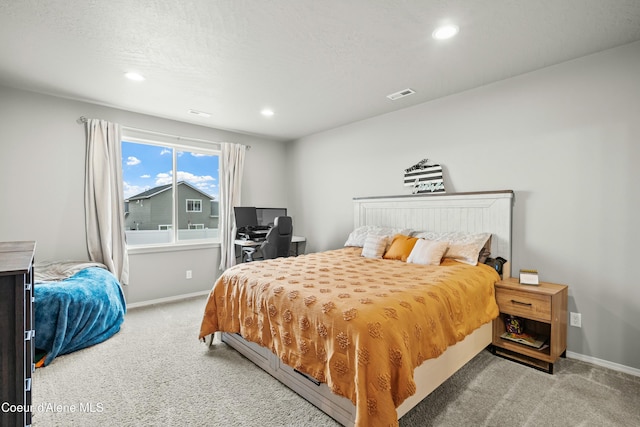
[
  {"x": 576, "y": 320},
  {"x": 189, "y": 275}
]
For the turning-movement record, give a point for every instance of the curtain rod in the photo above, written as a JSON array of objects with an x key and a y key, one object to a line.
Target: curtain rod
[{"x": 83, "y": 119}]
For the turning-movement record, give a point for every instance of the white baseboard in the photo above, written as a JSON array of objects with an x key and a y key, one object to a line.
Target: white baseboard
[
  {"x": 167, "y": 299},
  {"x": 604, "y": 363}
]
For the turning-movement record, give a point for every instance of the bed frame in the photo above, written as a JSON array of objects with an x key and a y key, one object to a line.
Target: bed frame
[{"x": 472, "y": 212}]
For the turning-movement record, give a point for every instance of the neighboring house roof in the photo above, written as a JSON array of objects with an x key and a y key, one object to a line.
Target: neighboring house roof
[{"x": 159, "y": 189}]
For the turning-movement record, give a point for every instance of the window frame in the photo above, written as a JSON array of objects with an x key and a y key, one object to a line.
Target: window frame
[
  {"x": 193, "y": 200},
  {"x": 176, "y": 144}
]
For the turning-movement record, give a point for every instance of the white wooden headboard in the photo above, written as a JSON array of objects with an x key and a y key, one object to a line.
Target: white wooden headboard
[{"x": 489, "y": 212}]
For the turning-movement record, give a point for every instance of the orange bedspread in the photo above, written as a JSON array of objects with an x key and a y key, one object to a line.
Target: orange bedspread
[{"x": 360, "y": 325}]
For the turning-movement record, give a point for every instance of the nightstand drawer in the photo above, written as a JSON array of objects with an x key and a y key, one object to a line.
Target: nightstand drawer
[{"x": 524, "y": 304}]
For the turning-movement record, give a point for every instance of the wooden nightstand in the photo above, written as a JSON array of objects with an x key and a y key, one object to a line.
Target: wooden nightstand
[{"x": 544, "y": 310}]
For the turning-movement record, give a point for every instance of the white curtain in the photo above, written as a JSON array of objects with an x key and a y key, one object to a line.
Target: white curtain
[
  {"x": 231, "y": 167},
  {"x": 103, "y": 198}
]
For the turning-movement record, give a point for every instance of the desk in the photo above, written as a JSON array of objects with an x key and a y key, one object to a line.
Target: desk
[{"x": 295, "y": 240}]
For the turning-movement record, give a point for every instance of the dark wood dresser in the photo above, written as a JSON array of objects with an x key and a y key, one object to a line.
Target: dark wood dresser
[{"x": 16, "y": 332}]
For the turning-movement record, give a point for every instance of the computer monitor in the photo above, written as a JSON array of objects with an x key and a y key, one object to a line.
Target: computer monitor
[
  {"x": 266, "y": 216},
  {"x": 246, "y": 216}
]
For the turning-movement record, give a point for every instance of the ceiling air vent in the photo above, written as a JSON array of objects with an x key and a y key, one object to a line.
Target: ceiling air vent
[{"x": 401, "y": 94}]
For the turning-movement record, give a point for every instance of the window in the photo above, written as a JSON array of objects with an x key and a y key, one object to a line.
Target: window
[
  {"x": 194, "y": 205},
  {"x": 170, "y": 188}
]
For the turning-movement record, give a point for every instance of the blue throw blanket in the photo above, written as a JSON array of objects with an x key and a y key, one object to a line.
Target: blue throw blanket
[{"x": 80, "y": 311}]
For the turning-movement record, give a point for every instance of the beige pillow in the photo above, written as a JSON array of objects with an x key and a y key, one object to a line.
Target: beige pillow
[
  {"x": 428, "y": 252},
  {"x": 374, "y": 246},
  {"x": 463, "y": 247}
]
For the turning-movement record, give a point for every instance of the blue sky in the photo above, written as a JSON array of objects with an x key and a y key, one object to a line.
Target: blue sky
[{"x": 147, "y": 166}]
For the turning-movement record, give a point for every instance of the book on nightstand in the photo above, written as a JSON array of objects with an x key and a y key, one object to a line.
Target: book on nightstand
[{"x": 536, "y": 341}]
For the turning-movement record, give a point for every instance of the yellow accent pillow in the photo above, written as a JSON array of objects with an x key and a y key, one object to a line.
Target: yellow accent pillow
[{"x": 401, "y": 247}]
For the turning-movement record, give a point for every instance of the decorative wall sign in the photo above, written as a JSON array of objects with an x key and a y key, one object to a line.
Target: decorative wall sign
[{"x": 424, "y": 178}]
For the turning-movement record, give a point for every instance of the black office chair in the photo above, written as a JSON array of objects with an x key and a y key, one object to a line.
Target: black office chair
[{"x": 278, "y": 241}]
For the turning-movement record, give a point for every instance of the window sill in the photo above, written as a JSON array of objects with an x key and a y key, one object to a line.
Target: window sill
[{"x": 174, "y": 247}]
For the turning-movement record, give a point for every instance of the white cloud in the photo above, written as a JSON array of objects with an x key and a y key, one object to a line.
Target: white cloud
[
  {"x": 145, "y": 176},
  {"x": 132, "y": 161},
  {"x": 163, "y": 178},
  {"x": 131, "y": 190},
  {"x": 205, "y": 183},
  {"x": 165, "y": 151},
  {"x": 194, "y": 179}
]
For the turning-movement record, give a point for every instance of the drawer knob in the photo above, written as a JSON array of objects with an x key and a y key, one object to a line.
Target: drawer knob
[{"x": 521, "y": 303}]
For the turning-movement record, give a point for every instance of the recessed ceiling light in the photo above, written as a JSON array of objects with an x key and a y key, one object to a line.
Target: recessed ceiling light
[
  {"x": 134, "y": 76},
  {"x": 445, "y": 32},
  {"x": 199, "y": 113},
  {"x": 267, "y": 112}
]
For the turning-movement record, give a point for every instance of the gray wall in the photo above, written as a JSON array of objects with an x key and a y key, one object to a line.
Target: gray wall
[
  {"x": 42, "y": 151},
  {"x": 566, "y": 139}
]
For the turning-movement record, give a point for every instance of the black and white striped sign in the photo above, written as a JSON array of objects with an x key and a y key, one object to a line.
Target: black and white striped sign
[{"x": 424, "y": 178}]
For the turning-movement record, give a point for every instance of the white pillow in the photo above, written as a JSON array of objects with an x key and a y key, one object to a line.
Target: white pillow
[
  {"x": 428, "y": 252},
  {"x": 359, "y": 235},
  {"x": 374, "y": 246},
  {"x": 463, "y": 247}
]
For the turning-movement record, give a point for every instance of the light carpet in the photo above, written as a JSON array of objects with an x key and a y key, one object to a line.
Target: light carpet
[{"x": 155, "y": 372}]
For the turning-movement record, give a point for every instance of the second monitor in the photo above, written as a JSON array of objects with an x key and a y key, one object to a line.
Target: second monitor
[{"x": 266, "y": 216}]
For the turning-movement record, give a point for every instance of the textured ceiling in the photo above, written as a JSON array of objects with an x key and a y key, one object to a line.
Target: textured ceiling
[{"x": 317, "y": 64}]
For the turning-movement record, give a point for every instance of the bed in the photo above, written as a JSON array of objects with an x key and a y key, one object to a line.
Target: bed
[
  {"x": 365, "y": 338},
  {"x": 76, "y": 305}
]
